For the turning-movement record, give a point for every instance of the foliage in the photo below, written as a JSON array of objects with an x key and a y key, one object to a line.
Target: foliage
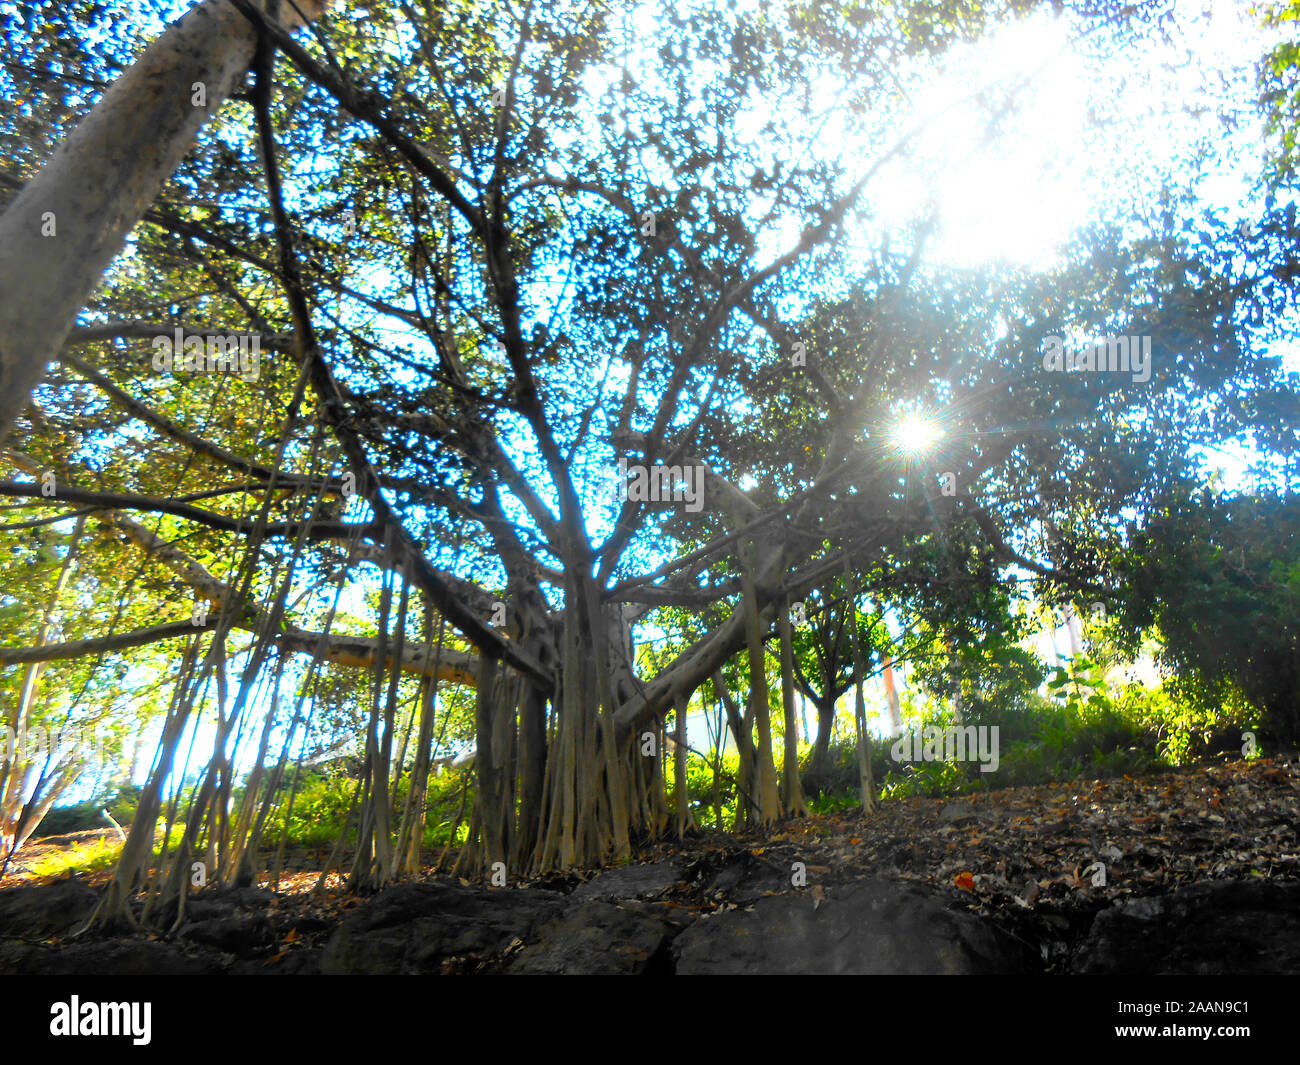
[
  {"x": 78, "y": 817},
  {"x": 1219, "y": 579},
  {"x": 323, "y": 800}
]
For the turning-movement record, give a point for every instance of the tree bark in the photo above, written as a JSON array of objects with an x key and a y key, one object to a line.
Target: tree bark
[
  {"x": 791, "y": 788},
  {"x": 821, "y": 745},
  {"x": 22, "y": 802},
  {"x": 69, "y": 222},
  {"x": 680, "y": 787},
  {"x": 767, "y": 800},
  {"x": 740, "y": 729},
  {"x": 866, "y": 786}
]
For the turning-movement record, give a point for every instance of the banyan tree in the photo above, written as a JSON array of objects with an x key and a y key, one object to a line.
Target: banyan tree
[{"x": 525, "y": 332}]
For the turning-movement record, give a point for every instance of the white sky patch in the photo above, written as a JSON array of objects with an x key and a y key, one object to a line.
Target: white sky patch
[
  {"x": 1010, "y": 198},
  {"x": 1082, "y": 137}
]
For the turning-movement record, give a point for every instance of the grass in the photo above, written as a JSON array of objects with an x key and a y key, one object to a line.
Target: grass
[{"x": 78, "y": 858}]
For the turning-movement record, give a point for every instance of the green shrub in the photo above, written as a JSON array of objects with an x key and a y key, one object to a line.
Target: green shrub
[
  {"x": 1088, "y": 727},
  {"x": 323, "y": 800},
  {"x": 84, "y": 816}
]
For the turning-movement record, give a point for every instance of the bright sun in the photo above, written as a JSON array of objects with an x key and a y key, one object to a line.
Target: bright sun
[{"x": 915, "y": 434}]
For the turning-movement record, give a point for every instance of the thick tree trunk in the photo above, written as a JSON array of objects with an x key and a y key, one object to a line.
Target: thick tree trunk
[
  {"x": 532, "y": 757},
  {"x": 592, "y": 789},
  {"x": 817, "y": 767},
  {"x": 69, "y": 222}
]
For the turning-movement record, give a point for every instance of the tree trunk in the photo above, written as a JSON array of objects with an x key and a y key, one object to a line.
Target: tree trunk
[
  {"x": 21, "y": 812},
  {"x": 817, "y": 767},
  {"x": 866, "y": 786},
  {"x": 532, "y": 757},
  {"x": 592, "y": 785},
  {"x": 69, "y": 222},
  {"x": 740, "y": 729},
  {"x": 372, "y": 863},
  {"x": 767, "y": 800},
  {"x": 681, "y": 794},
  {"x": 113, "y": 906},
  {"x": 411, "y": 834},
  {"x": 489, "y": 801},
  {"x": 791, "y": 789},
  {"x": 957, "y": 713},
  {"x": 718, "y": 744}
]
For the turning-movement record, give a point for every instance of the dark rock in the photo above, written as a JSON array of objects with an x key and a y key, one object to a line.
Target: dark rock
[
  {"x": 1216, "y": 927},
  {"x": 305, "y": 926},
  {"x": 631, "y": 882},
  {"x": 46, "y": 910},
  {"x": 873, "y": 926},
  {"x": 12, "y": 953},
  {"x": 233, "y": 935},
  {"x": 222, "y": 902},
  {"x": 116, "y": 957},
  {"x": 876, "y": 926},
  {"x": 297, "y": 963},
  {"x": 745, "y": 878},
  {"x": 292, "y": 963},
  {"x": 251, "y": 898},
  {"x": 600, "y": 939},
  {"x": 426, "y": 928}
]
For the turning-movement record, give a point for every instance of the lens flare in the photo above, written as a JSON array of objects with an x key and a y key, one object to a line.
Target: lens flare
[{"x": 916, "y": 434}]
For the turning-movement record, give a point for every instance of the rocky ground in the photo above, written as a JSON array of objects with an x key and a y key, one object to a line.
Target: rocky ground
[{"x": 1194, "y": 871}]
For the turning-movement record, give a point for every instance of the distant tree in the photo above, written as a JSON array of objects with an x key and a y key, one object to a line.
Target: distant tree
[{"x": 1218, "y": 577}]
